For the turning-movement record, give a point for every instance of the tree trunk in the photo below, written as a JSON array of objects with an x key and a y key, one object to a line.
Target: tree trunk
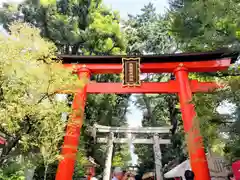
[
  {"x": 173, "y": 111},
  {"x": 45, "y": 172},
  {"x": 66, "y": 49},
  {"x": 29, "y": 173},
  {"x": 75, "y": 49},
  {"x": 149, "y": 110}
]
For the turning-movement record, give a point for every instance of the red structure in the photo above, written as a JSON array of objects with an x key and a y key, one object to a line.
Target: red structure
[
  {"x": 236, "y": 169},
  {"x": 2, "y": 141},
  {"x": 179, "y": 64}
]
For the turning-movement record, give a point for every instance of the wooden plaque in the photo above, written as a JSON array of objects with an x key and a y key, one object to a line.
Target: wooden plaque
[{"x": 131, "y": 71}]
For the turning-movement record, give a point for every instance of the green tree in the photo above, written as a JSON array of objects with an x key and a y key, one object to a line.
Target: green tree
[
  {"x": 122, "y": 157},
  {"x": 205, "y": 25},
  {"x": 30, "y": 114},
  {"x": 232, "y": 146},
  {"x": 109, "y": 110},
  {"x": 84, "y": 28},
  {"x": 149, "y": 33},
  {"x": 210, "y": 25},
  {"x": 76, "y": 27}
]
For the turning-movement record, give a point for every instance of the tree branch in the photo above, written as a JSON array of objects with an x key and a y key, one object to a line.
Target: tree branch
[{"x": 8, "y": 149}]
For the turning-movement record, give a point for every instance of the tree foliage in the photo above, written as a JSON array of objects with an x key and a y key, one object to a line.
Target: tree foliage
[
  {"x": 76, "y": 27},
  {"x": 30, "y": 114},
  {"x": 149, "y": 33},
  {"x": 122, "y": 157},
  {"x": 205, "y": 25},
  {"x": 84, "y": 28},
  {"x": 108, "y": 110},
  {"x": 211, "y": 25},
  {"x": 187, "y": 28}
]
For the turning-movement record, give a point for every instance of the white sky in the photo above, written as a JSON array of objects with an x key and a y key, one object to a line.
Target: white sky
[
  {"x": 2, "y": 1},
  {"x": 134, "y": 6},
  {"x": 226, "y": 108}
]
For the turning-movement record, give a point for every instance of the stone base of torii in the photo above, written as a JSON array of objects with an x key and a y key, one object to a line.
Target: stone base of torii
[{"x": 110, "y": 140}]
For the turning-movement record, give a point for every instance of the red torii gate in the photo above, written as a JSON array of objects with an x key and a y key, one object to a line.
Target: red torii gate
[{"x": 179, "y": 64}]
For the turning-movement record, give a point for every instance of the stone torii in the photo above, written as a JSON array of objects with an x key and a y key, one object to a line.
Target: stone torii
[{"x": 110, "y": 140}]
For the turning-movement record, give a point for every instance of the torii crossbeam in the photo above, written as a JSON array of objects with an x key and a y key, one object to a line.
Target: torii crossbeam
[
  {"x": 107, "y": 129},
  {"x": 130, "y": 67},
  {"x": 133, "y": 141}
]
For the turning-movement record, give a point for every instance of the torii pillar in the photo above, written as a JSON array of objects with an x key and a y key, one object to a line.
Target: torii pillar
[
  {"x": 108, "y": 161},
  {"x": 71, "y": 139},
  {"x": 194, "y": 139}
]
